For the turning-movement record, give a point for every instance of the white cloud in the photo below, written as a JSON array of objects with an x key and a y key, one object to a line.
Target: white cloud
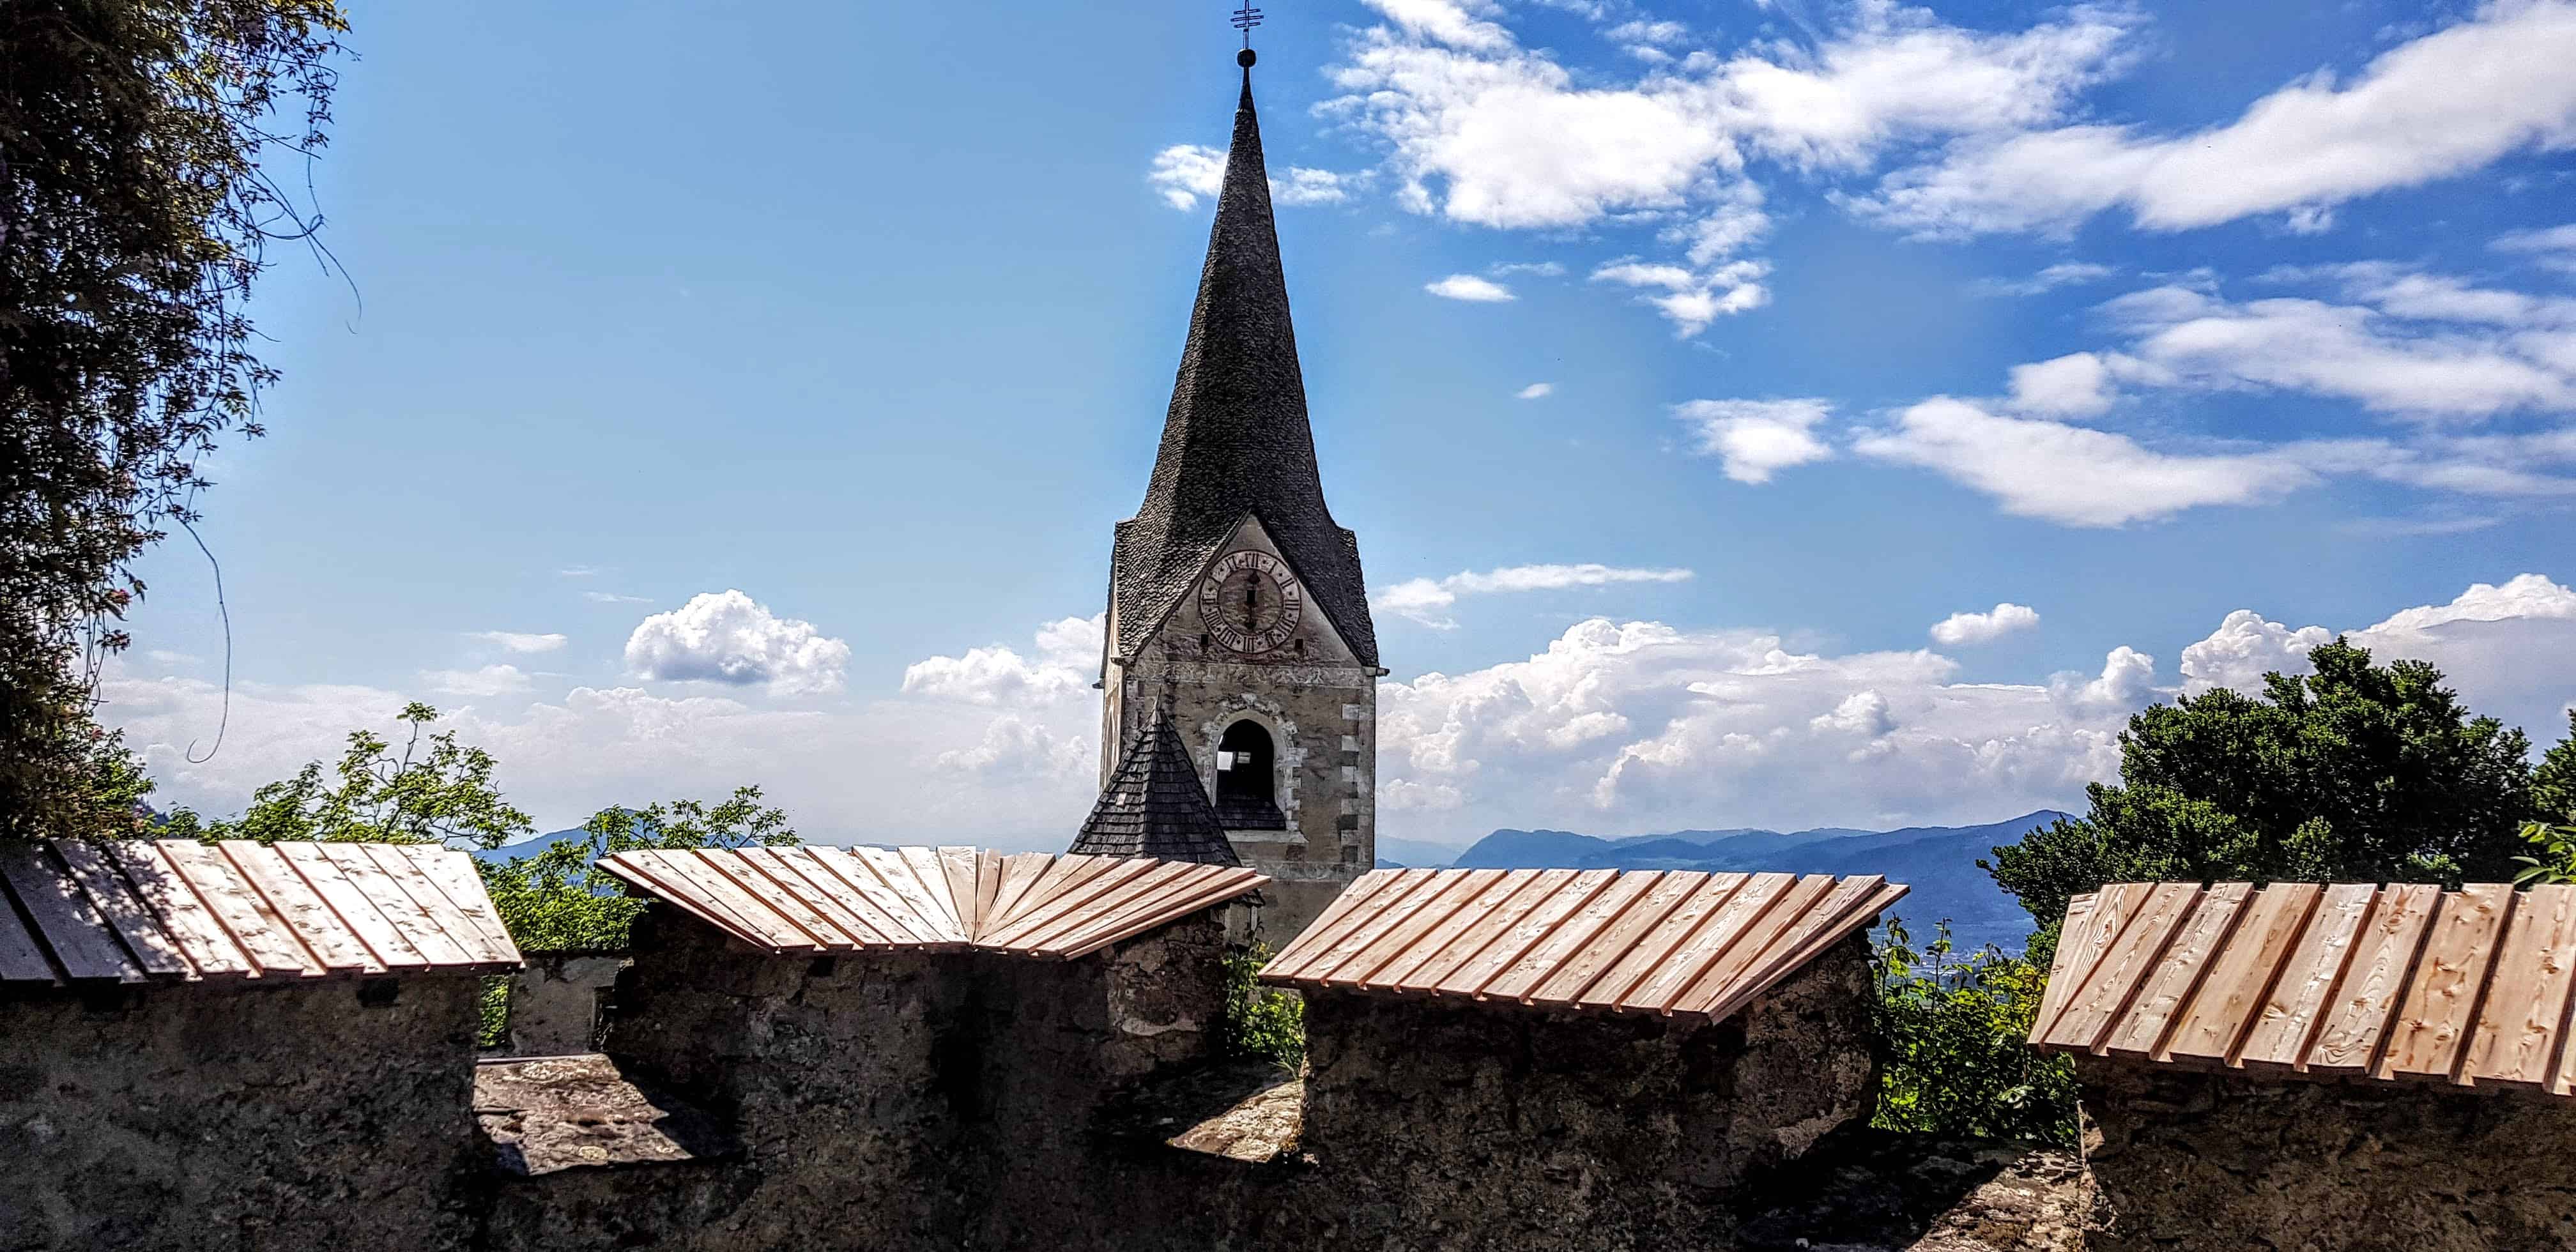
[
  {"x": 1061, "y": 668},
  {"x": 2127, "y": 679},
  {"x": 1535, "y": 391},
  {"x": 1470, "y": 288},
  {"x": 1756, "y": 438},
  {"x": 1960, "y": 629},
  {"x": 490, "y": 680},
  {"x": 611, "y": 597},
  {"x": 2186, "y": 337},
  {"x": 2077, "y": 476},
  {"x": 2441, "y": 105},
  {"x": 2509, "y": 649},
  {"x": 1862, "y": 713},
  {"x": 1186, "y": 173},
  {"x": 1647, "y": 32},
  {"x": 2550, "y": 248},
  {"x": 2075, "y": 385},
  {"x": 726, "y": 637},
  {"x": 516, "y": 641},
  {"x": 1694, "y": 298},
  {"x": 2062, "y": 274},
  {"x": 1483, "y": 131},
  {"x": 1427, "y": 600}
]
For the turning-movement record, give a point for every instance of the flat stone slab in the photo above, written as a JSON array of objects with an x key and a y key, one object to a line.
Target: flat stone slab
[
  {"x": 1243, "y": 1111},
  {"x": 548, "y": 1114}
]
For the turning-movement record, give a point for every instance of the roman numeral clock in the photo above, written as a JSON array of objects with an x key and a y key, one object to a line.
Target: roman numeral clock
[{"x": 1250, "y": 603}]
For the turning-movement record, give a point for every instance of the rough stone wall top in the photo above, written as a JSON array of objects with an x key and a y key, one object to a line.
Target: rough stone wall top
[
  {"x": 1644, "y": 941},
  {"x": 1236, "y": 440},
  {"x": 1156, "y": 806},
  {"x": 2465, "y": 988},
  {"x": 140, "y": 910},
  {"x": 817, "y": 899}
]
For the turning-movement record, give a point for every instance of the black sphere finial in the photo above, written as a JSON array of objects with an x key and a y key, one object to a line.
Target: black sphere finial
[{"x": 1245, "y": 58}]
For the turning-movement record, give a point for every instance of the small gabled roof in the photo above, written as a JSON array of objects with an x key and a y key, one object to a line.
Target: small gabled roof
[
  {"x": 2407, "y": 982},
  {"x": 1635, "y": 941},
  {"x": 176, "y": 910},
  {"x": 820, "y": 899},
  {"x": 1155, "y": 806}
]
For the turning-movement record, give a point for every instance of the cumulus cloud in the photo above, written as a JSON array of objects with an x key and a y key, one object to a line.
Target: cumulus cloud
[
  {"x": 1060, "y": 668},
  {"x": 1428, "y": 600},
  {"x": 1535, "y": 391},
  {"x": 515, "y": 641},
  {"x": 727, "y": 637},
  {"x": 2441, "y": 105},
  {"x": 1187, "y": 173},
  {"x": 2551, "y": 248},
  {"x": 1470, "y": 288},
  {"x": 2127, "y": 680},
  {"x": 2078, "y": 476},
  {"x": 1693, "y": 298},
  {"x": 1756, "y": 438},
  {"x": 1961, "y": 629},
  {"x": 2074, "y": 385}
]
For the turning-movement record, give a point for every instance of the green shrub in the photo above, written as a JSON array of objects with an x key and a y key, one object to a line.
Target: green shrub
[
  {"x": 1259, "y": 1022},
  {"x": 493, "y": 1031},
  {"x": 1955, "y": 1031}
]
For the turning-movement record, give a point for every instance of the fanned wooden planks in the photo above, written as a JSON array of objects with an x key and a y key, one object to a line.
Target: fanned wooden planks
[
  {"x": 1667, "y": 942},
  {"x": 2404, "y": 983},
  {"x": 791, "y": 900},
  {"x": 177, "y": 910}
]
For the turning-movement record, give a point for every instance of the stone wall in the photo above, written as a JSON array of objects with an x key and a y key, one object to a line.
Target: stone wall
[
  {"x": 268, "y": 1115},
  {"x": 556, "y": 1002},
  {"x": 1448, "y": 1125},
  {"x": 2186, "y": 1160}
]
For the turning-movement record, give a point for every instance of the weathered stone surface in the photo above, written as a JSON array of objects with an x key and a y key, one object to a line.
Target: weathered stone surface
[
  {"x": 574, "y": 1112},
  {"x": 555, "y": 1002},
  {"x": 1448, "y": 1125},
  {"x": 1880, "y": 1191},
  {"x": 2188, "y": 1160},
  {"x": 322, "y": 1114}
]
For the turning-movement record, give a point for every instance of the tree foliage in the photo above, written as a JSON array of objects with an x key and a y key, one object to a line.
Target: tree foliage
[
  {"x": 555, "y": 900},
  {"x": 136, "y": 208},
  {"x": 1954, "y": 1033},
  {"x": 2355, "y": 773},
  {"x": 441, "y": 792},
  {"x": 1260, "y": 1023}
]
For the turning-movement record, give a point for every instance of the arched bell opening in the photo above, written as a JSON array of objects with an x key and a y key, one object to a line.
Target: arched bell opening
[{"x": 1247, "y": 778}]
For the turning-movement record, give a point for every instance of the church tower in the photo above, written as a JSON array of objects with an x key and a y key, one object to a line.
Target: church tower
[{"x": 1236, "y": 606}]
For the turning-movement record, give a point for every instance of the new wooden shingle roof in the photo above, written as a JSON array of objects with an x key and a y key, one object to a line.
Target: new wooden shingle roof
[
  {"x": 179, "y": 910},
  {"x": 2466, "y": 988},
  {"x": 818, "y": 899},
  {"x": 1670, "y": 942}
]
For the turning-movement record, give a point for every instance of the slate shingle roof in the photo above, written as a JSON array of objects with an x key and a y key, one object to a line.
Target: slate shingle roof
[
  {"x": 1236, "y": 439},
  {"x": 1154, "y": 806}
]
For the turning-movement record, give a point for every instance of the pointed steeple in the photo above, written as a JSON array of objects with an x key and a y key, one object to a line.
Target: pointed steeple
[
  {"x": 1155, "y": 806},
  {"x": 1236, "y": 439}
]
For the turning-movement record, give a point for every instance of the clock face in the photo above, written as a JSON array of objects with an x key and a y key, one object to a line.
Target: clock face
[{"x": 1250, "y": 603}]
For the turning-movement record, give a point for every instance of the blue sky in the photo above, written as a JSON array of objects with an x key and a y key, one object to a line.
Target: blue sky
[{"x": 1832, "y": 321}]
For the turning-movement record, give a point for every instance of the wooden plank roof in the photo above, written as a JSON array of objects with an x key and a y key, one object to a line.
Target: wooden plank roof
[
  {"x": 2403, "y": 983},
  {"x": 819, "y": 899},
  {"x": 176, "y": 910},
  {"x": 1640, "y": 941}
]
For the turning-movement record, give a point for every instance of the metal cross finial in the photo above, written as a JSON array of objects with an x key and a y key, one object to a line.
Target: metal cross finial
[{"x": 1245, "y": 19}]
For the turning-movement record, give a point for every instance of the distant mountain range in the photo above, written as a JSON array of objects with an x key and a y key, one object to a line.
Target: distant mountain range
[
  {"x": 528, "y": 847},
  {"x": 1938, "y": 862}
]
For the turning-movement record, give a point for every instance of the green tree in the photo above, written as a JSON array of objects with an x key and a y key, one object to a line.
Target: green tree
[
  {"x": 1953, "y": 1036},
  {"x": 2553, "y": 783},
  {"x": 438, "y": 792},
  {"x": 137, "y": 140},
  {"x": 2355, "y": 773},
  {"x": 556, "y": 900}
]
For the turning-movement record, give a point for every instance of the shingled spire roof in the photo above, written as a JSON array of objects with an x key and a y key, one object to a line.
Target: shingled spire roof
[
  {"x": 1236, "y": 440},
  {"x": 1154, "y": 806}
]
